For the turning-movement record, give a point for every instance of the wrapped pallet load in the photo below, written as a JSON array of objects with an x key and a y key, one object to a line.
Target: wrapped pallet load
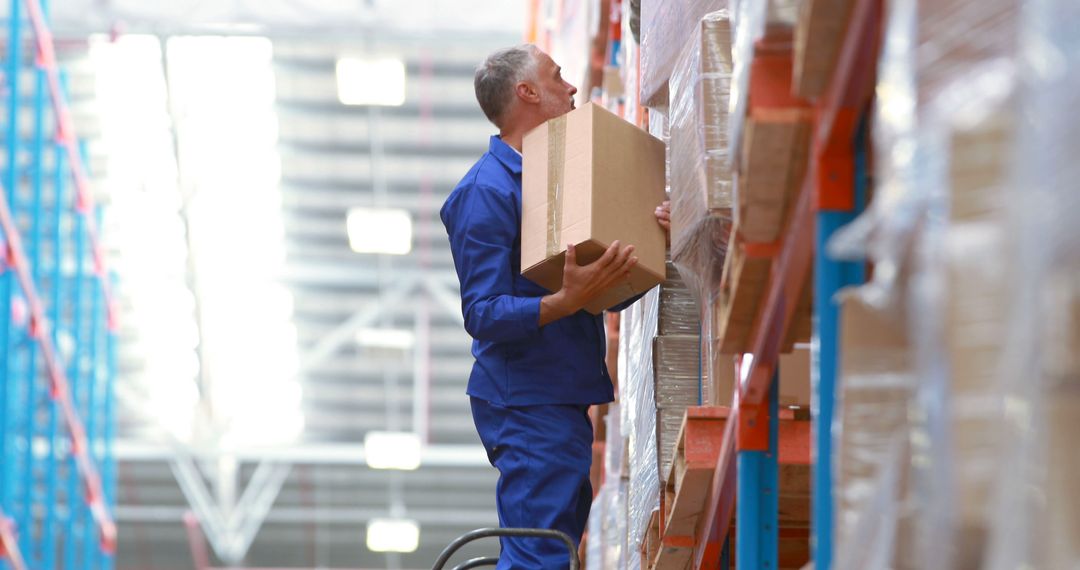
[
  {"x": 664, "y": 27},
  {"x": 969, "y": 227},
  {"x": 636, "y": 396},
  {"x": 700, "y": 172}
]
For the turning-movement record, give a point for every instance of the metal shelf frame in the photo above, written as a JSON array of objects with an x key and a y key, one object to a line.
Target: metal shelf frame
[
  {"x": 830, "y": 195},
  {"x": 58, "y": 337}
]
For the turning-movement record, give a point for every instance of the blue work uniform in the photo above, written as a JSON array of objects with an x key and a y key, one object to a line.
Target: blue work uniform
[{"x": 530, "y": 386}]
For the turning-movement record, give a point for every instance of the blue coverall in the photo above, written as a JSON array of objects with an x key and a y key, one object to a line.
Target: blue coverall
[{"x": 530, "y": 386}]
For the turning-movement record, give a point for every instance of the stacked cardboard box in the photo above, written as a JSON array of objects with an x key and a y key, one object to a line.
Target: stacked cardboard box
[
  {"x": 664, "y": 27},
  {"x": 876, "y": 381},
  {"x": 589, "y": 178},
  {"x": 700, "y": 174}
]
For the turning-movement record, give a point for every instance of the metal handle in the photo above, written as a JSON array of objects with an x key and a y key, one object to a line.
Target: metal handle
[
  {"x": 477, "y": 562},
  {"x": 486, "y": 532}
]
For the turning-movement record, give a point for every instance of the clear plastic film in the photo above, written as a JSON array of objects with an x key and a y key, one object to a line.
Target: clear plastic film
[
  {"x": 876, "y": 382},
  {"x": 678, "y": 311},
  {"x": 607, "y": 522},
  {"x": 963, "y": 149},
  {"x": 614, "y": 443},
  {"x": 970, "y": 226},
  {"x": 677, "y": 361},
  {"x": 1035, "y": 519},
  {"x": 594, "y": 546},
  {"x": 751, "y": 19},
  {"x": 699, "y": 175},
  {"x": 664, "y": 26},
  {"x": 643, "y": 490}
]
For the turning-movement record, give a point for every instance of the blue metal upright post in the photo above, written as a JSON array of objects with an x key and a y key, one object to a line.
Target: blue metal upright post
[
  {"x": 73, "y": 498},
  {"x": 758, "y": 501},
  {"x": 52, "y": 467},
  {"x": 829, "y": 277},
  {"x": 8, "y": 389},
  {"x": 90, "y": 412},
  {"x": 35, "y": 394},
  {"x": 108, "y": 461}
]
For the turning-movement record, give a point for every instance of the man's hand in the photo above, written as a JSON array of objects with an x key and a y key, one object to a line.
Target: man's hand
[
  {"x": 663, "y": 217},
  {"x": 583, "y": 283}
]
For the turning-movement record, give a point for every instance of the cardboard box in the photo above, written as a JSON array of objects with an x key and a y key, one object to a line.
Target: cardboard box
[
  {"x": 591, "y": 178},
  {"x": 876, "y": 382}
]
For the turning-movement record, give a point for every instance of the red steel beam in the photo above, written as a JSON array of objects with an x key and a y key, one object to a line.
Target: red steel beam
[
  {"x": 848, "y": 89},
  {"x": 846, "y": 93}
]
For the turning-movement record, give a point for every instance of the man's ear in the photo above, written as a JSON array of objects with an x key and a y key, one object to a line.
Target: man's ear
[{"x": 526, "y": 92}]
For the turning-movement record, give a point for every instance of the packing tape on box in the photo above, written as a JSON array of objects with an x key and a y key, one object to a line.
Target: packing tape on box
[{"x": 556, "y": 167}]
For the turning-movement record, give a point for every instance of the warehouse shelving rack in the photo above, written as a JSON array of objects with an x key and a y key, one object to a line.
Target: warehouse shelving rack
[
  {"x": 58, "y": 334},
  {"x": 829, "y": 197}
]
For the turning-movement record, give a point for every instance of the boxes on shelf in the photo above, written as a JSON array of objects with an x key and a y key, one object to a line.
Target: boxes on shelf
[
  {"x": 639, "y": 326},
  {"x": 679, "y": 313},
  {"x": 877, "y": 380},
  {"x": 664, "y": 25},
  {"x": 765, "y": 24},
  {"x": 700, "y": 173},
  {"x": 590, "y": 178},
  {"x": 676, "y": 361},
  {"x": 818, "y": 36}
]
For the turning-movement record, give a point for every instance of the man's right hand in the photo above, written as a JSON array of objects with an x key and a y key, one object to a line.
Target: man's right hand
[{"x": 583, "y": 283}]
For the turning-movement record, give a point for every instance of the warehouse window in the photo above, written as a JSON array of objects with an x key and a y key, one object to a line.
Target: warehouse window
[{"x": 222, "y": 97}]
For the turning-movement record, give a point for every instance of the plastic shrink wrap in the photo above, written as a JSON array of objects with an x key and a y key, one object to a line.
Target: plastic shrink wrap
[
  {"x": 751, "y": 21},
  {"x": 1035, "y": 514},
  {"x": 676, "y": 360},
  {"x": 699, "y": 174},
  {"x": 664, "y": 26},
  {"x": 638, "y": 403},
  {"x": 976, "y": 172},
  {"x": 876, "y": 380},
  {"x": 678, "y": 310}
]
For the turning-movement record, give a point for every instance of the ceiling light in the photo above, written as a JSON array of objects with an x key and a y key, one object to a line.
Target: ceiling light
[
  {"x": 393, "y": 535},
  {"x": 392, "y": 450},
  {"x": 399, "y": 339},
  {"x": 371, "y": 81},
  {"x": 380, "y": 230}
]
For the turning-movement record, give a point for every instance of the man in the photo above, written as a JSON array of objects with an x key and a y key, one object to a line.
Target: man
[{"x": 539, "y": 356}]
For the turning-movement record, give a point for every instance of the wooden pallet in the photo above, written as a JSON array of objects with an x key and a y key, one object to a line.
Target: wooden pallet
[
  {"x": 775, "y": 150},
  {"x": 823, "y": 25},
  {"x": 742, "y": 286},
  {"x": 690, "y": 477},
  {"x": 801, "y": 327}
]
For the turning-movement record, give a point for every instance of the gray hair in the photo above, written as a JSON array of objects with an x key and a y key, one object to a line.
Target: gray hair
[{"x": 496, "y": 77}]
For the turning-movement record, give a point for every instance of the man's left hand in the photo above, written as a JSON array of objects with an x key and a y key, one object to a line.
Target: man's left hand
[{"x": 663, "y": 217}]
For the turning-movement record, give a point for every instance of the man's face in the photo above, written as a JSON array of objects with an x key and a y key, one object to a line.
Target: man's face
[{"x": 556, "y": 95}]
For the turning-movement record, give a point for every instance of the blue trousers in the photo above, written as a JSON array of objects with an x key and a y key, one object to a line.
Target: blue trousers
[{"x": 543, "y": 454}]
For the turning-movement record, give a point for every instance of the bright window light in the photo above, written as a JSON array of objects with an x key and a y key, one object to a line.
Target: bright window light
[
  {"x": 380, "y": 230},
  {"x": 248, "y": 338},
  {"x": 744, "y": 368},
  {"x": 400, "y": 339},
  {"x": 392, "y": 450},
  {"x": 393, "y": 535},
  {"x": 371, "y": 81}
]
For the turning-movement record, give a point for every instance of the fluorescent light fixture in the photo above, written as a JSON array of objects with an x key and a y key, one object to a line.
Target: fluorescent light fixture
[
  {"x": 380, "y": 230},
  {"x": 392, "y": 450},
  {"x": 400, "y": 339},
  {"x": 371, "y": 81},
  {"x": 393, "y": 535}
]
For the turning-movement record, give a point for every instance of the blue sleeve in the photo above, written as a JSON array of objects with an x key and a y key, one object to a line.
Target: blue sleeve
[{"x": 483, "y": 225}]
